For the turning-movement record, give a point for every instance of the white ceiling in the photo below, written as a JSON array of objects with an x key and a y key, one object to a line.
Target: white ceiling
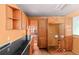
[{"x": 48, "y": 9}]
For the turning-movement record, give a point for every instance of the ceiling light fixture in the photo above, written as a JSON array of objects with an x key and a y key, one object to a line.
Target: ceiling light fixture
[{"x": 60, "y": 6}]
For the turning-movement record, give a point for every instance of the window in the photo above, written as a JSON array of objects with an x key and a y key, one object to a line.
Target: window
[{"x": 76, "y": 25}]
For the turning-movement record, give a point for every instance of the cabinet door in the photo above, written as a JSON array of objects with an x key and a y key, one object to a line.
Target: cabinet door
[
  {"x": 42, "y": 33},
  {"x": 9, "y": 18},
  {"x": 16, "y": 24},
  {"x": 31, "y": 49},
  {"x": 24, "y": 21},
  {"x": 68, "y": 33},
  {"x": 9, "y": 24},
  {"x": 9, "y": 12}
]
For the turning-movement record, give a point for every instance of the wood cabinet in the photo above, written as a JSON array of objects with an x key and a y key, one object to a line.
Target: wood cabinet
[
  {"x": 13, "y": 17},
  {"x": 55, "y": 19},
  {"x": 42, "y": 33},
  {"x": 56, "y": 30},
  {"x": 10, "y": 23},
  {"x": 24, "y": 21},
  {"x": 76, "y": 44},
  {"x": 68, "y": 33},
  {"x": 31, "y": 48},
  {"x": 33, "y": 22},
  {"x": 67, "y": 22}
]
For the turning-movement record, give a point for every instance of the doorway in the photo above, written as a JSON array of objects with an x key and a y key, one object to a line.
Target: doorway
[{"x": 56, "y": 34}]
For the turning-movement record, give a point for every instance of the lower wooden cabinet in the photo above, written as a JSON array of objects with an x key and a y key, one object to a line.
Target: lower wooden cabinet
[
  {"x": 31, "y": 48},
  {"x": 68, "y": 43}
]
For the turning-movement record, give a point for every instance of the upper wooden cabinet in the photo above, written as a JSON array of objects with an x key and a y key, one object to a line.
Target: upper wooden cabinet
[
  {"x": 52, "y": 20},
  {"x": 13, "y": 17},
  {"x": 24, "y": 21},
  {"x": 13, "y": 5},
  {"x": 9, "y": 12},
  {"x": 33, "y": 21},
  {"x": 11, "y": 23},
  {"x": 16, "y": 19}
]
